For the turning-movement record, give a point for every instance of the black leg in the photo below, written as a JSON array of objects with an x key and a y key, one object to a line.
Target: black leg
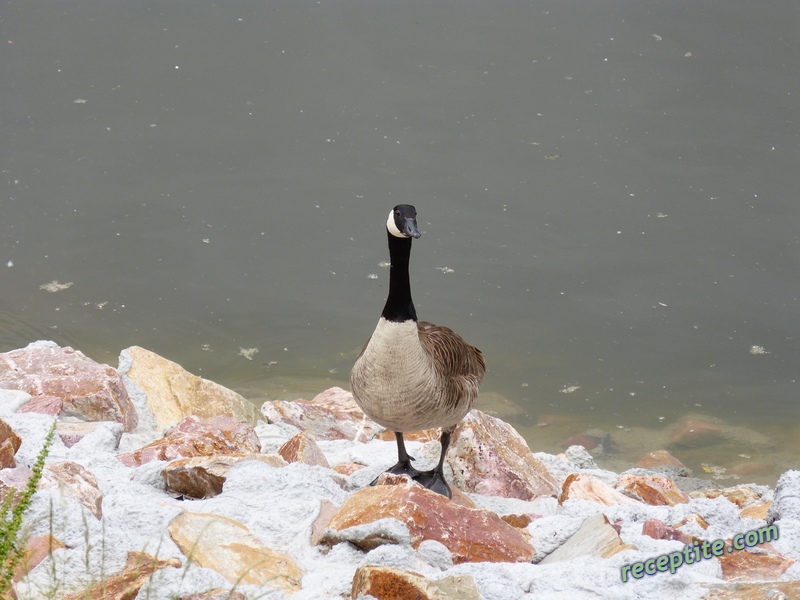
[
  {"x": 434, "y": 480},
  {"x": 403, "y": 465}
]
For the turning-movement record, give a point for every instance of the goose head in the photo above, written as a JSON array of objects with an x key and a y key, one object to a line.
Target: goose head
[{"x": 402, "y": 222}]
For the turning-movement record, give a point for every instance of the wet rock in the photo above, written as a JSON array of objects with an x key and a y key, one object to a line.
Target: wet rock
[
  {"x": 331, "y": 415},
  {"x": 595, "y": 537},
  {"x": 204, "y": 476},
  {"x": 596, "y": 441},
  {"x": 750, "y": 468},
  {"x": 658, "y": 458},
  {"x": 173, "y": 393},
  {"x": 195, "y": 436},
  {"x": 73, "y": 481},
  {"x": 656, "y": 491},
  {"x": 370, "y": 518},
  {"x": 694, "y": 433},
  {"x": 489, "y": 457},
  {"x": 88, "y": 390},
  {"x": 786, "y": 504},
  {"x": 385, "y": 583},
  {"x": 126, "y": 585},
  {"x": 303, "y": 449},
  {"x": 228, "y": 547},
  {"x": 72, "y": 432},
  {"x": 9, "y": 444},
  {"x": 587, "y": 487}
]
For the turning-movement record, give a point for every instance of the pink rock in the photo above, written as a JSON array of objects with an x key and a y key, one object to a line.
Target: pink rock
[
  {"x": 9, "y": 444},
  {"x": 471, "y": 534},
  {"x": 489, "y": 457},
  {"x": 759, "y": 562},
  {"x": 89, "y": 391},
  {"x": 73, "y": 481},
  {"x": 44, "y": 405},
  {"x": 331, "y": 415},
  {"x": 36, "y": 550},
  {"x": 658, "y": 530},
  {"x": 72, "y": 432},
  {"x": 303, "y": 449},
  {"x": 194, "y": 436}
]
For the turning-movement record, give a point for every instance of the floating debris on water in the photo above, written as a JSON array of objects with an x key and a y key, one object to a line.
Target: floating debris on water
[
  {"x": 384, "y": 264},
  {"x": 569, "y": 389},
  {"x": 248, "y": 352},
  {"x": 54, "y": 286},
  {"x": 372, "y": 276},
  {"x": 758, "y": 350},
  {"x": 446, "y": 269}
]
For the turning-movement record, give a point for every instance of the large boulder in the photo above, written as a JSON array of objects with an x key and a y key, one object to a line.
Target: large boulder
[
  {"x": 66, "y": 383},
  {"x": 173, "y": 393}
]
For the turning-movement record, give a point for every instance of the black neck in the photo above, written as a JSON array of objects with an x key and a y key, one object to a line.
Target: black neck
[{"x": 399, "y": 306}]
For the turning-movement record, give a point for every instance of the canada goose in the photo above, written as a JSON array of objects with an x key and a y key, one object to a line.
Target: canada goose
[{"x": 412, "y": 375}]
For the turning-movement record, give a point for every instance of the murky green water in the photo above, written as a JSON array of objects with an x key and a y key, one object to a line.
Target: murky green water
[{"x": 607, "y": 195}]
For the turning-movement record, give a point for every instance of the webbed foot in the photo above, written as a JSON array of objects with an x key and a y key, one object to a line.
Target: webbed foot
[{"x": 434, "y": 480}]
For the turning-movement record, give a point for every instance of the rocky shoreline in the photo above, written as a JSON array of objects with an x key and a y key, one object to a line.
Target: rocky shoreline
[{"x": 161, "y": 485}]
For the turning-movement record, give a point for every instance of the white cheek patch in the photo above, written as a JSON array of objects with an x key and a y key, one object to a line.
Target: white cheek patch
[{"x": 390, "y": 225}]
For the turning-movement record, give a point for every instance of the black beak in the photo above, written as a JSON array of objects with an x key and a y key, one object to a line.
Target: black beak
[{"x": 410, "y": 228}]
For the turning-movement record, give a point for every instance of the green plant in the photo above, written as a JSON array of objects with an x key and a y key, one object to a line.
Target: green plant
[{"x": 11, "y": 517}]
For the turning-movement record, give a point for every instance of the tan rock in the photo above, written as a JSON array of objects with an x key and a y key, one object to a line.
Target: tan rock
[
  {"x": 126, "y": 585},
  {"x": 9, "y": 444},
  {"x": 331, "y": 415},
  {"x": 73, "y": 481},
  {"x": 693, "y": 433},
  {"x": 387, "y": 478},
  {"x": 489, "y": 457},
  {"x": 303, "y": 449},
  {"x": 587, "y": 487},
  {"x": 692, "y": 518},
  {"x": 768, "y": 590},
  {"x": 658, "y": 458},
  {"x": 173, "y": 393},
  {"x": 89, "y": 391},
  {"x": 471, "y": 534},
  {"x": 195, "y": 436},
  {"x": 348, "y": 468},
  {"x": 228, "y": 547},
  {"x": 595, "y": 537},
  {"x": 742, "y": 496},
  {"x": 594, "y": 440},
  {"x": 385, "y": 583},
  {"x": 759, "y": 562},
  {"x": 204, "y": 476},
  {"x": 656, "y": 491},
  {"x": 756, "y": 511},
  {"x": 518, "y": 521}
]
